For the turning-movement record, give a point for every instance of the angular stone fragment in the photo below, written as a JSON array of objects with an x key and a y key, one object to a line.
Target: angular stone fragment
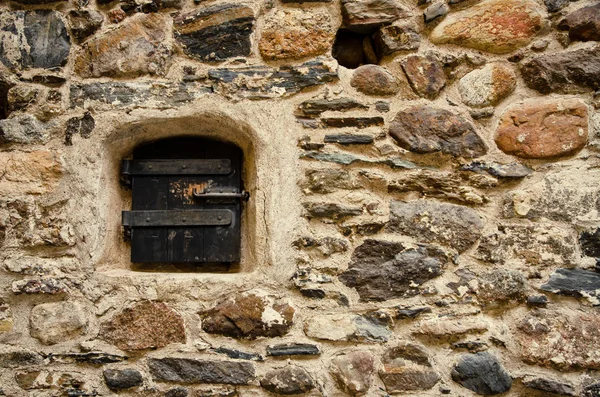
[
  {"x": 482, "y": 373},
  {"x": 248, "y": 316},
  {"x": 440, "y": 328},
  {"x": 261, "y": 82},
  {"x": 136, "y": 48},
  {"x": 534, "y": 129},
  {"x": 287, "y": 381},
  {"x": 435, "y": 11},
  {"x": 374, "y": 80},
  {"x": 565, "y": 339},
  {"x": 404, "y": 313},
  {"x": 345, "y": 159},
  {"x": 295, "y": 33},
  {"x": 487, "y": 86},
  {"x": 425, "y": 129},
  {"x": 346, "y": 327},
  {"x": 549, "y": 386},
  {"x": 383, "y": 270},
  {"x": 590, "y": 243},
  {"x": 314, "y": 107},
  {"x": 393, "y": 38},
  {"x": 509, "y": 171},
  {"x": 556, "y": 5},
  {"x": 24, "y": 129},
  {"x": 184, "y": 370},
  {"x": 21, "y": 96},
  {"x": 82, "y": 126},
  {"x": 146, "y": 325},
  {"x": 43, "y": 286},
  {"x": 327, "y": 180},
  {"x": 293, "y": 349},
  {"x": 84, "y": 23},
  {"x": 216, "y": 32},
  {"x": 564, "y": 72},
  {"x": 353, "y": 371},
  {"x": 575, "y": 282},
  {"x": 425, "y": 75},
  {"x": 331, "y": 210},
  {"x": 52, "y": 323},
  {"x": 96, "y": 358},
  {"x": 407, "y": 367},
  {"x": 356, "y": 122},
  {"x": 447, "y": 224},
  {"x": 33, "y": 39},
  {"x": 122, "y": 379},
  {"x": 583, "y": 24},
  {"x": 237, "y": 354},
  {"x": 12, "y": 357},
  {"x": 364, "y": 16},
  {"x": 496, "y": 26},
  {"x": 592, "y": 390},
  {"x": 500, "y": 286}
]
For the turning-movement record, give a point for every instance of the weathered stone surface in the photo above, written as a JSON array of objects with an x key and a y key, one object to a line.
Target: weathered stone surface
[
  {"x": 346, "y": 159},
  {"x": 575, "y": 282},
  {"x": 261, "y": 82},
  {"x": 237, "y": 354},
  {"x": 549, "y": 386},
  {"x": 564, "y": 72},
  {"x": 145, "y": 325},
  {"x": 482, "y": 373},
  {"x": 425, "y": 75},
  {"x": 33, "y": 39},
  {"x": 564, "y": 339},
  {"x": 84, "y": 23},
  {"x": 331, "y": 210},
  {"x": 440, "y": 328},
  {"x": 293, "y": 349},
  {"x": 135, "y": 94},
  {"x": 374, "y": 80},
  {"x": 592, "y": 390},
  {"x": 354, "y": 122},
  {"x": 13, "y": 357},
  {"x": 364, "y": 16},
  {"x": 61, "y": 382},
  {"x": 315, "y": 107},
  {"x": 583, "y": 24},
  {"x": 20, "y": 97},
  {"x": 407, "y": 367},
  {"x": 325, "y": 181},
  {"x": 443, "y": 185},
  {"x": 497, "y": 26},
  {"x": 6, "y": 320},
  {"x": 426, "y": 129},
  {"x": 487, "y": 86},
  {"x": 404, "y": 313},
  {"x": 382, "y": 270},
  {"x": 120, "y": 379},
  {"x": 287, "y": 381},
  {"x": 325, "y": 246},
  {"x": 79, "y": 125},
  {"x": 42, "y": 286},
  {"x": 185, "y": 370},
  {"x": 347, "y": 327},
  {"x": 509, "y": 171},
  {"x": 528, "y": 245},
  {"x": 52, "y": 323},
  {"x": 501, "y": 286},
  {"x": 177, "y": 392},
  {"x": 393, "y": 38},
  {"x": 556, "y": 5},
  {"x": 353, "y": 371},
  {"x": 590, "y": 243},
  {"x": 537, "y": 301},
  {"x": 435, "y": 11},
  {"x": 96, "y": 358},
  {"x": 248, "y": 316},
  {"x": 136, "y": 48},
  {"x": 23, "y": 129},
  {"x": 447, "y": 224},
  {"x": 216, "y": 32},
  {"x": 544, "y": 129},
  {"x": 290, "y": 34},
  {"x": 471, "y": 346}
]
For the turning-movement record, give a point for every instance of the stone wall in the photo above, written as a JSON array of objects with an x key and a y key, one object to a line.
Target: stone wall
[{"x": 424, "y": 211}]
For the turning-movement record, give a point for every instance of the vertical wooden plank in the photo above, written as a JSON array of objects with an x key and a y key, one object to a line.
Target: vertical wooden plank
[{"x": 149, "y": 244}]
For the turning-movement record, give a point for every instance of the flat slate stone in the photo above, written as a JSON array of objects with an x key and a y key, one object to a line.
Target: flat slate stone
[
  {"x": 356, "y": 122},
  {"x": 382, "y": 270},
  {"x": 349, "y": 139},
  {"x": 237, "y": 354},
  {"x": 184, "y": 370},
  {"x": 34, "y": 39},
  {"x": 314, "y": 107},
  {"x": 96, "y": 358},
  {"x": 216, "y": 32},
  {"x": 346, "y": 159},
  {"x": 575, "y": 282},
  {"x": 550, "y": 386},
  {"x": 293, "y": 349},
  {"x": 407, "y": 367},
  {"x": 509, "y": 171},
  {"x": 482, "y": 373},
  {"x": 365, "y": 16}
]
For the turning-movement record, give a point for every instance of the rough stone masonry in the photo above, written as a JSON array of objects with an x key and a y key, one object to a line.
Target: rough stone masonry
[{"x": 424, "y": 216}]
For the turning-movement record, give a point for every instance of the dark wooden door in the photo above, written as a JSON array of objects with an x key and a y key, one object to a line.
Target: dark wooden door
[{"x": 180, "y": 226}]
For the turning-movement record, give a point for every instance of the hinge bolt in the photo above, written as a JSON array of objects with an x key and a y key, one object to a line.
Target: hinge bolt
[
  {"x": 147, "y": 219},
  {"x": 219, "y": 217},
  {"x": 183, "y": 219},
  {"x": 184, "y": 166}
]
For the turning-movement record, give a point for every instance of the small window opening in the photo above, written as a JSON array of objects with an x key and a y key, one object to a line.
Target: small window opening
[{"x": 352, "y": 49}]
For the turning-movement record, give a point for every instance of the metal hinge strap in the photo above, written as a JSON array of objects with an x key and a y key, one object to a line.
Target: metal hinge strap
[{"x": 217, "y": 217}]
